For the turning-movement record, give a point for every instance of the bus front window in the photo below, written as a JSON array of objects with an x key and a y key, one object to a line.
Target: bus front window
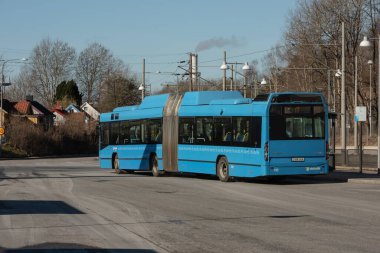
[{"x": 296, "y": 122}]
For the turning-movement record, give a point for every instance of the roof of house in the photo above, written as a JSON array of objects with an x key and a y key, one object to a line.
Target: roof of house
[
  {"x": 25, "y": 107},
  {"x": 8, "y": 106},
  {"x": 63, "y": 113},
  {"x": 72, "y": 107},
  {"x": 40, "y": 107},
  {"x": 88, "y": 104}
]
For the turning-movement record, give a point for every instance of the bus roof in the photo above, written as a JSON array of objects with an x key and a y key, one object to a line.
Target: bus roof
[
  {"x": 213, "y": 97},
  {"x": 290, "y": 97},
  {"x": 152, "y": 106}
]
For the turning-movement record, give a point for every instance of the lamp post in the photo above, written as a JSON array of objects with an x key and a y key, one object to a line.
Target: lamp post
[
  {"x": 343, "y": 102},
  {"x": 142, "y": 85},
  {"x": 338, "y": 74},
  {"x": 264, "y": 82},
  {"x": 225, "y": 66},
  {"x": 366, "y": 43},
  {"x": 370, "y": 62},
  {"x": 3, "y": 84},
  {"x": 356, "y": 102}
]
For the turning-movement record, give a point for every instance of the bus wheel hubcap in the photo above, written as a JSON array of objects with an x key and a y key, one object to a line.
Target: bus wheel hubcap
[{"x": 224, "y": 170}]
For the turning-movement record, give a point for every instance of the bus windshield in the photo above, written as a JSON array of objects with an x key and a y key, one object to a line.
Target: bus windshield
[{"x": 297, "y": 122}]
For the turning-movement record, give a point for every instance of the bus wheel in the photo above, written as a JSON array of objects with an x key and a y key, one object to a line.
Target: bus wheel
[
  {"x": 116, "y": 165},
  {"x": 222, "y": 170},
  {"x": 154, "y": 166}
]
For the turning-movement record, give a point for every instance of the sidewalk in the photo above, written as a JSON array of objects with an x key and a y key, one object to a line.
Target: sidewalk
[
  {"x": 352, "y": 174},
  {"x": 348, "y": 174}
]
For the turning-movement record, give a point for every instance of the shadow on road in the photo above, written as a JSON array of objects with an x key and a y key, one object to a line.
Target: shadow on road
[
  {"x": 333, "y": 177},
  {"x": 70, "y": 248},
  {"x": 95, "y": 156},
  {"x": 290, "y": 180},
  {"x": 13, "y": 207},
  {"x": 84, "y": 250}
]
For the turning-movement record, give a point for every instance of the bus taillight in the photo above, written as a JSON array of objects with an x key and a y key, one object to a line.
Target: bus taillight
[
  {"x": 266, "y": 153},
  {"x": 327, "y": 150}
]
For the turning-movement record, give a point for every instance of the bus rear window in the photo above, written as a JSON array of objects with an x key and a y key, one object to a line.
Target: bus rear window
[{"x": 296, "y": 122}]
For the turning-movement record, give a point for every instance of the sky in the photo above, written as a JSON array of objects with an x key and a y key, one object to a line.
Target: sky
[{"x": 161, "y": 31}]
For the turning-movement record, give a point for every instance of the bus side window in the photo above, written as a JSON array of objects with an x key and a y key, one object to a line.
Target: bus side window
[
  {"x": 104, "y": 141},
  {"x": 155, "y": 131},
  {"x": 124, "y": 132},
  {"x": 144, "y": 131},
  {"x": 114, "y": 140},
  {"x": 256, "y": 132},
  {"x": 223, "y": 130},
  {"x": 135, "y": 132},
  {"x": 241, "y": 126},
  {"x": 204, "y": 130},
  {"x": 186, "y": 131}
]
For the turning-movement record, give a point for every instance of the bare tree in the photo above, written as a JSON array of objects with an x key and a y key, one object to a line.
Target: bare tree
[
  {"x": 51, "y": 63},
  {"x": 22, "y": 86},
  {"x": 120, "y": 88},
  {"x": 94, "y": 64}
]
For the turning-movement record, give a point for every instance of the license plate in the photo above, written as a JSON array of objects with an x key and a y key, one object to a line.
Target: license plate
[{"x": 298, "y": 159}]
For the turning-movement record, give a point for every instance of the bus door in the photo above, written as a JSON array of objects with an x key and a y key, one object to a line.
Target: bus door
[{"x": 170, "y": 133}]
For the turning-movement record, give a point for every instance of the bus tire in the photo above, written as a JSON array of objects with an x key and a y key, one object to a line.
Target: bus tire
[
  {"x": 116, "y": 165},
  {"x": 222, "y": 169},
  {"x": 153, "y": 164}
]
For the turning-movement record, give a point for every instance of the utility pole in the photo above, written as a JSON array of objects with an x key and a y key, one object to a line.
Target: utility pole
[
  {"x": 343, "y": 104},
  {"x": 143, "y": 80},
  {"x": 194, "y": 66},
  {"x": 224, "y": 72},
  {"x": 232, "y": 77},
  {"x": 328, "y": 90},
  {"x": 191, "y": 71},
  {"x": 356, "y": 103}
]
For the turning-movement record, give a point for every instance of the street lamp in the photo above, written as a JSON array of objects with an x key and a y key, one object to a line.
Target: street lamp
[
  {"x": 370, "y": 63},
  {"x": 225, "y": 66},
  {"x": 142, "y": 89},
  {"x": 366, "y": 43},
  {"x": 338, "y": 74},
  {"x": 3, "y": 84},
  {"x": 263, "y": 82}
]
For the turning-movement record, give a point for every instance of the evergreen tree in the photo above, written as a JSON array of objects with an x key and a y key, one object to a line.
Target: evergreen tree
[{"x": 67, "y": 93}]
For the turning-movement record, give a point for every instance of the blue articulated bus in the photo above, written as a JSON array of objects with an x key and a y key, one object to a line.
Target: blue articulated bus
[{"x": 219, "y": 133}]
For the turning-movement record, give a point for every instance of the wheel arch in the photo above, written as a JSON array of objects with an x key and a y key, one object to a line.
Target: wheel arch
[
  {"x": 217, "y": 160},
  {"x": 151, "y": 156},
  {"x": 114, "y": 154}
]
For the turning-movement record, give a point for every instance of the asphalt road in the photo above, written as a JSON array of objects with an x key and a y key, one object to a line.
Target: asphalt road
[{"x": 70, "y": 204}]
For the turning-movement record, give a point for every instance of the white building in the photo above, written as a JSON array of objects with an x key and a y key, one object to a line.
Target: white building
[{"x": 90, "y": 111}]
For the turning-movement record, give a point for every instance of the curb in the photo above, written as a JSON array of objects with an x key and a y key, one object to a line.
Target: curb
[
  {"x": 364, "y": 181},
  {"x": 354, "y": 168}
]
